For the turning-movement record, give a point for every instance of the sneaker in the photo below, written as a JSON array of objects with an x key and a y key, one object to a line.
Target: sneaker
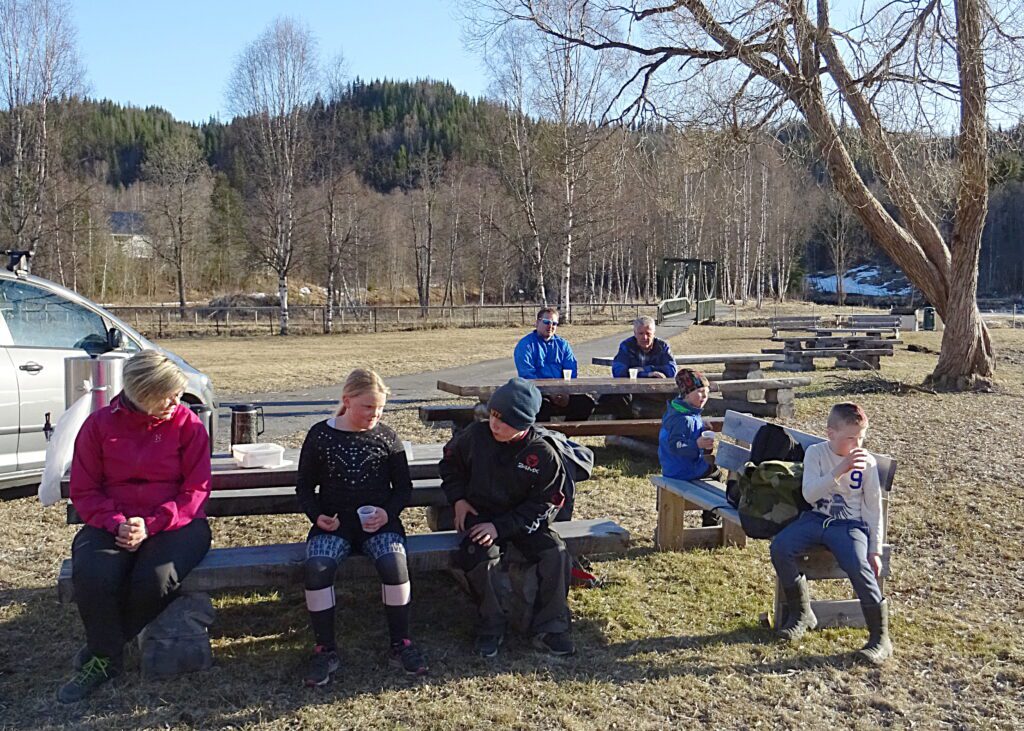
[
  {"x": 556, "y": 643},
  {"x": 81, "y": 658},
  {"x": 323, "y": 665},
  {"x": 487, "y": 645},
  {"x": 404, "y": 655},
  {"x": 94, "y": 672}
]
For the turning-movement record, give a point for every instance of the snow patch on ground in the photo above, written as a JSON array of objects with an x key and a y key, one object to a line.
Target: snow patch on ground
[{"x": 864, "y": 280}]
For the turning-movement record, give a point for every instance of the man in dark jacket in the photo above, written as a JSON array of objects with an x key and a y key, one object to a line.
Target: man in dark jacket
[
  {"x": 650, "y": 356},
  {"x": 506, "y": 483}
]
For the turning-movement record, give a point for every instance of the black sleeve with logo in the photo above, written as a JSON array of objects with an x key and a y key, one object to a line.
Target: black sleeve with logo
[{"x": 538, "y": 473}]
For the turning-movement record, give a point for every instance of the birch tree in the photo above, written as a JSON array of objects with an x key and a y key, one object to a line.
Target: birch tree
[
  {"x": 38, "y": 65},
  {"x": 273, "y": 84}
]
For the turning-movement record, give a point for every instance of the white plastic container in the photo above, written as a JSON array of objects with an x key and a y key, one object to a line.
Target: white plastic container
[{"x": 258, "y": 455}]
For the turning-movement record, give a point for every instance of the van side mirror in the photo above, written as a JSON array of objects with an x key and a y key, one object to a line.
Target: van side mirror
[{"x": 115, "y": 338}]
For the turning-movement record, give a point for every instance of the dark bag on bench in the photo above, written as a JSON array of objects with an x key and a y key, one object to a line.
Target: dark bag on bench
[{"x": 770, "y": 498}]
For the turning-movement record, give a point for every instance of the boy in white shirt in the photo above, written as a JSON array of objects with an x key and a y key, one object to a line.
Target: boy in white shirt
[{"x": 841, "y": 484}]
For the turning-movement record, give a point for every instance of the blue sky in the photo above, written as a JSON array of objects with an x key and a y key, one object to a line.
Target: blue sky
[{"x": 179, "y": 55}]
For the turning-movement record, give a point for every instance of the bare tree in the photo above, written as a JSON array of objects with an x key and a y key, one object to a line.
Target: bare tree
[
  {"x": 273, "y": 84},
  {"x": 178, "y": 203},
  {"x": 842, "y": 236},
  {"x": 38, "y": 65},
  {"x": 753, "y": 61}
]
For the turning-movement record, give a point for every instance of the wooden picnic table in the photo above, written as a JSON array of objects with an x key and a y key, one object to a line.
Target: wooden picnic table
[
  {"x": 777, "y": 393},
  {"x": 226, "y": 475},
  {"x": 737, "y": 365}
]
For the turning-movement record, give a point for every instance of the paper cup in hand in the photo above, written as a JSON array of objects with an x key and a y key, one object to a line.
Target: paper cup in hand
[
  {"x": 633, "y": 373},
  {"x": 366, "y": 513},
  {"x": 567, "y": 375},
  {"x": 708, "y": 435}
]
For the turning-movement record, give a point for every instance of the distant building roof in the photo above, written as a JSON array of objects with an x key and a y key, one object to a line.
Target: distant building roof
[{"x": 126, "y": 223}]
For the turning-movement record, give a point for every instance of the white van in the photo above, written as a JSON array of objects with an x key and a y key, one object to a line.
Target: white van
[{"x": 41, "y": 324}]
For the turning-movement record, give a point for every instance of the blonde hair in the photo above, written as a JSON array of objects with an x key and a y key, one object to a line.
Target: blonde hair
[
  {"x": 360, "y": 381},
  {"x": 150, "y": 377}
]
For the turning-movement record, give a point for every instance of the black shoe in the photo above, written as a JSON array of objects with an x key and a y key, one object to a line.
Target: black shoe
[
  {"x": 556, "y": 643},
  {"x": 94, "y": 672},
  {"x": 323, "y": 665},
  {"x": 404, "y": 655},
  {"x": 487, "y": 645}
]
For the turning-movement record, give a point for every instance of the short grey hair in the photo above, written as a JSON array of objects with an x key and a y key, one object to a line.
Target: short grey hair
[{"x": 643, "y": 321}]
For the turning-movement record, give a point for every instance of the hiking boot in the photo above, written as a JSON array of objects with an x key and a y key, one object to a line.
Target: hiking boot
[
  {"x": 878, "y": 648},
  {"x": 94, "y": 672},
  {"x": 323, "y": 665},
  {"x": 556, "y": 643},
  {"x": 487, "y": 645},
  {"x": 800, "y": 617},
  {"x": 406, "y": 656}
]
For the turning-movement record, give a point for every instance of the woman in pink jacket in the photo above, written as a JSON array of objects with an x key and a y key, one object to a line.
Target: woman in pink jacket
[{"x": 139, "y": 479}]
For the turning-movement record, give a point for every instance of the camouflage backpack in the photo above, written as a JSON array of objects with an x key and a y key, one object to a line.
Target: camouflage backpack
[{"x": 770, "y": 496}]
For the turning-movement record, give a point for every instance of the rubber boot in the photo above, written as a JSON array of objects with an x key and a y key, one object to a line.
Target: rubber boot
[
  {"x": 800, "y": 617},
  {"x": 878, "y": 648}
]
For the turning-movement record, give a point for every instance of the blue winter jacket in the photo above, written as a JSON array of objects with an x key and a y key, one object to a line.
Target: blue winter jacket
[
  {"x": 681, "y": 427},
  {"x": 631, "y": 356},
  {"x": 536, "y": 358}
]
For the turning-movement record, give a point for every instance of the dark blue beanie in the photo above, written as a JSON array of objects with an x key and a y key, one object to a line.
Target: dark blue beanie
[{"x": 516, "y": 403}]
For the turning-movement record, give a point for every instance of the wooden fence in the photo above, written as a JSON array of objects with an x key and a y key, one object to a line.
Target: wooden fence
[{"x": 163, "y": 321}]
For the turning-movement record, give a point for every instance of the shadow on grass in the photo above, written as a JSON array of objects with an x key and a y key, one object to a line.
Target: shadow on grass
[{"x": 262, "y": 643}]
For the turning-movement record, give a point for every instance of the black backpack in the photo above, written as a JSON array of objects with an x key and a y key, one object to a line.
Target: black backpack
[
  {"x": 771, "y": 443},
  {"x": 578, "y": 462}
]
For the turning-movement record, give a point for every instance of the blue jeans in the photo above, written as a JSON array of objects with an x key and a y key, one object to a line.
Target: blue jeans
[{"x": 847, "y": 540}]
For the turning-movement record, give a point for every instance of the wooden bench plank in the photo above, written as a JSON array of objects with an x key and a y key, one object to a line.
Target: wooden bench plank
[{"x": 281, "y": 564}]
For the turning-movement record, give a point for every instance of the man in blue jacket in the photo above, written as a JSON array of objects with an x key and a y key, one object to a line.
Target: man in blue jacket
[
  {"x": 651, "y": 356},
  {"x": 543, "y": 354}
]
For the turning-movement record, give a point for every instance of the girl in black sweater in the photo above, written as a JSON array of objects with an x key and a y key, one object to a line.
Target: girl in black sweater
[{"x": 357, "y": 462}]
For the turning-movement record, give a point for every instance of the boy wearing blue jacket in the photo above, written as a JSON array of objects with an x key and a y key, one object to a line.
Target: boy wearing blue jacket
[{"x": 680, "y": 444}]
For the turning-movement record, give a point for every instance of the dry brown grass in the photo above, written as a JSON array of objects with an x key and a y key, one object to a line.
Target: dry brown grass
[
  {"x": 255, "y": 364},
  {"x": 672, "y": 641}
]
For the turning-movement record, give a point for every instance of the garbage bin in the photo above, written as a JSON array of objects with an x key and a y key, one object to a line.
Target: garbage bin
[{"x": 929, "y": 318}]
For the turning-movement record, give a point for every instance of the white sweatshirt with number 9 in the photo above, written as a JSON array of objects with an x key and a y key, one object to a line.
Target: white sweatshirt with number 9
[{"x": 856, "y": 495}]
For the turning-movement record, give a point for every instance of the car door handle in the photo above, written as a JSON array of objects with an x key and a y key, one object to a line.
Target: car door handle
[{"x": 31, "y": 367}]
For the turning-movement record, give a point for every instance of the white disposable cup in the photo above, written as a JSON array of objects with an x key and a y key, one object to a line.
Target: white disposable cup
[
  {"x": 634, "y": 372},
  {"x": 708, "y": 435},
  {"x": 365, "y": 513},
  {"x": 567, "y": 374}
]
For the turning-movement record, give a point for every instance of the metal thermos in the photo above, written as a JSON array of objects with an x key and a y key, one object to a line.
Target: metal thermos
[
  {"x": 205, "y": 414},
  {"x": 102, "y": 378},
  {"x": 246, "y": 423}
]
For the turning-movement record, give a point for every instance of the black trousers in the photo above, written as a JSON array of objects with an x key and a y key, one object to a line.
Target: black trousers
[
  {"x": 119, "y": 592},
  {"x": 543, "y": 547},
  {"x": 579, "y": 408}
]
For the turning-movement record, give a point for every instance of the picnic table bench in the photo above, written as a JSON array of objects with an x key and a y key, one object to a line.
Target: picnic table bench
[
  {"x": 866, "y": 320},
  {"x": 281, "y": 564},
  {"x": 737, "y": 365},
  {"x": 850, "y": 351},
  {"x": 794, "y": 322},
  {"x": 677, "y": 497},
  {"x": 740, "y": 395}
]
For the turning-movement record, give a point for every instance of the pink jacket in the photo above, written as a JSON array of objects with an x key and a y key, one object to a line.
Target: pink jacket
[{"x": 128, "y": 464}]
